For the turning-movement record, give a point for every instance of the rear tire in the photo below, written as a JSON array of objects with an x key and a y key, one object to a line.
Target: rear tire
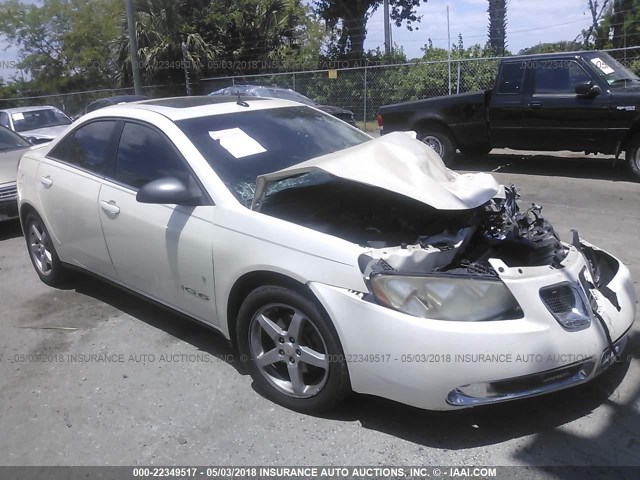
[
  {"x": 440, "y": 140},
  {"x": 633, "y": 157},
  {"x": 42, "y": 252},
  {"x": 292, "y": 350}
]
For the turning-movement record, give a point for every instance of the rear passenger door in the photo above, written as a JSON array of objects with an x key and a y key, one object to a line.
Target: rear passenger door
[
  {"x": 162, "y": 251},
  {"x": 69, "y": 183},
  {"x": 506, "y": 106}
]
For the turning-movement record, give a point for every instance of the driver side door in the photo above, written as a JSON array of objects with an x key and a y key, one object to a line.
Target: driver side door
[{"x": 162, "y": 251}]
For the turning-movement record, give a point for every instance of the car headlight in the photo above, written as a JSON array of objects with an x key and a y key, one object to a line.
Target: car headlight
[
  {"x": 446, "y": 297},
  {"x": 567, "y": 304}
]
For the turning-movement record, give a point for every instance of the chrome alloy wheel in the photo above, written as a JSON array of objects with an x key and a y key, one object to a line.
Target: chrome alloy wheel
[
  {"x": 39, "y": 248},
  {"x": 434, "y": 142},
  {"x": 289, "y": 350}
]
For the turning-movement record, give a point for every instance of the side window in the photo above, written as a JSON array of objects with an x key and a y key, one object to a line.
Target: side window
[
  {"x": 87, "y": 147},
  {"x": 4, "y": 120},
  {"x": 511, "y": 78},
  {"x": 559, "y": 77},
  {"x": 145, "y": 155}
]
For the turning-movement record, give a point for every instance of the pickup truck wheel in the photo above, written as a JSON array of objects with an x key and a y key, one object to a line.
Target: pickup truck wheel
[
  {"x": 633, "y": 157},
  {"x": 440, "y": 140},
  {"x": 475, "y": 152}
]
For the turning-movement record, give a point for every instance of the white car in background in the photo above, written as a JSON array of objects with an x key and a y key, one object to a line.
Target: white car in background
[
  {"x": 333, "y": 261},
  {"x": 38, "y": 124},
  {"x": 12, "y": 146}
]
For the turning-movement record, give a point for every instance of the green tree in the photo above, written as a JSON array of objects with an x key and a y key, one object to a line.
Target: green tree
[
  {"x": 161, "y": 29},
  {"x": 63, "y": 44},
  {"x": 562, "y": 46},
  {"x": 619, "y": 26},
  {"x": 348, "y": 19}
]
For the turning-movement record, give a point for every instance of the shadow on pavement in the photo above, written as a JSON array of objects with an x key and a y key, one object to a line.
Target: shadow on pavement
[
  {"x": 10, "y": 229},
  {"x": 539, "y": 417},
  {"x": 204, "y": 338},
  {"x": 547, "y": 165}
]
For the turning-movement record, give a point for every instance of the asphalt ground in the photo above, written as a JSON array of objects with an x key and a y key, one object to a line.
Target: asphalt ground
[{"x": 101, "y": 406}]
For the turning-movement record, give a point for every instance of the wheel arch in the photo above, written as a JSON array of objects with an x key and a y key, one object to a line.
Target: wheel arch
[
  {"x": 248, "y": 282},
  {"x": 424, "y": 123},
  {"x": 633, "y": 132}
]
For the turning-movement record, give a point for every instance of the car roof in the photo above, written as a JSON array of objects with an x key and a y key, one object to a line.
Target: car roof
[
  {"x": 28, "y": 109},
  {"x": 180, "y": 108},
  {"x": 551, "y": 56}
]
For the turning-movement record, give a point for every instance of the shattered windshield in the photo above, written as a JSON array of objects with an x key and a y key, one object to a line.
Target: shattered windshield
[
  {"x": 242, "y": 146},
  {"x": 613, "y": 71}
]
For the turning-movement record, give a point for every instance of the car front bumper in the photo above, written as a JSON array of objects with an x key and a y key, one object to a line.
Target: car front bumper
[
  {"x": 445, "y": 365},
  {"x": 8, "y": 201}
]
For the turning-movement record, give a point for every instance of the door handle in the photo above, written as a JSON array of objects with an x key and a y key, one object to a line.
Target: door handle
[
  {"x": 46, "y": 181},
  {"x": 535, "y": 105},
  {"x": 110, "y": 207}
]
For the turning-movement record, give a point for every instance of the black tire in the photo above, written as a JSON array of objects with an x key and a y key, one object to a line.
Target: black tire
[
  {"x": 440, "y": 139},
  {"x": 279, "y": 305},
  {"x": 633, "y": 157},
  {"x": 42, "y": 252},
  {"x": 475, "y": 152}
]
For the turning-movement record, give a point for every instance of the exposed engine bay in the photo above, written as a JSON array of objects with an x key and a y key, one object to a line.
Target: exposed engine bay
[{"x": 409, "y": 236}]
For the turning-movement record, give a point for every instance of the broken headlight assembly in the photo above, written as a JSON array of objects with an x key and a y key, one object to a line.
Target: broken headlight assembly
[{"x": 441, "y": 297}]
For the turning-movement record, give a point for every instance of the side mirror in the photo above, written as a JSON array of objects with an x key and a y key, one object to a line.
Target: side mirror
[
  {"x": 167, "y": 190},
  {"x": 588, "y": 90}
]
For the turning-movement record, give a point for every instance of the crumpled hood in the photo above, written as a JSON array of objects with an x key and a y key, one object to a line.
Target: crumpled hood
[
  {"x": 9, "y": 164},
  {"x": 398, "y": 163},
  {"x": 48, "y": 132}
]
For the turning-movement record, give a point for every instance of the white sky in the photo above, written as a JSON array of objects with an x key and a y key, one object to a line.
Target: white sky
[{"x": 529, "y": 22}]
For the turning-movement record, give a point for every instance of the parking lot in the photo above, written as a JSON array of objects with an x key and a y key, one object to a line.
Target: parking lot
[{"x": 127, "y": 383}]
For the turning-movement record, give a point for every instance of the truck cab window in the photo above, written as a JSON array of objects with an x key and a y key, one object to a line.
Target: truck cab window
[
  {"x": 510, "y": 81},
  {"x": 559, "y": 77}
]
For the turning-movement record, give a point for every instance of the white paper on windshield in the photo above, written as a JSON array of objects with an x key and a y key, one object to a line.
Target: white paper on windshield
[
  {"x": 18, "y": 116},
  {"x": 237, "y": 142},
  {"x": 598, "y": 62}
]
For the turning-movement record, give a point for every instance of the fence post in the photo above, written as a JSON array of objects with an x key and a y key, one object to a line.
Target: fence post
[
  {"x": 294, "y": 82},
  {"x": 458, "y": 82},
  {"x": 366, "y": 91}
]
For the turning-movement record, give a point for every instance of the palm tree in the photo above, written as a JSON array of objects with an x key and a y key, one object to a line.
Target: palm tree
[
  {"x": 161, "y": 31},
  {"x": 498, "y": 26}
]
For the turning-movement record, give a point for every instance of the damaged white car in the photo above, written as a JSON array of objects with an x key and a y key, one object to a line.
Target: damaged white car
[{"x": 333, "y": 261}]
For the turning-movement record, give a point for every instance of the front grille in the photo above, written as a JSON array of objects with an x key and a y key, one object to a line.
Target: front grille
[
  {"x": 8, "y": 192},
  {"x": 559, "y": 299}
]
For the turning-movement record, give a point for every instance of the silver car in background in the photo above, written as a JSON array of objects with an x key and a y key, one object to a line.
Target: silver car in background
[
  {"x": 38, "y": 124},
  {"x": 12, "y": 146}
]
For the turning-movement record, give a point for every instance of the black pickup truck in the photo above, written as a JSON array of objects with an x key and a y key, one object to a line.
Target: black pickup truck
[{"x": 583, "y": 101}]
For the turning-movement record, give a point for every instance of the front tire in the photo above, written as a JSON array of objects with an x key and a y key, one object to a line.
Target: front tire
[
  {"x": 292, "y": 350},
  {"x": 43, "y": 254},
  {"x": 441, "y": 141},
  {"x": 633, "y": 157}
]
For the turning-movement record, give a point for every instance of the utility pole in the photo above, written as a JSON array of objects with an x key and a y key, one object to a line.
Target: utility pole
[
  {"x": 449, "y": 47},
  {"x": 387, "y": 29},
  {"x": 133, "y": 48}
]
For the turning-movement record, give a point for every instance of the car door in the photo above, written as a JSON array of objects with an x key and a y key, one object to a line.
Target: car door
[
  {"x": 557, "y": 118},
  {"x": 69, "y": 183},
  {"x": 506, "y": 104},
  {"x": 162, "y": 251}
]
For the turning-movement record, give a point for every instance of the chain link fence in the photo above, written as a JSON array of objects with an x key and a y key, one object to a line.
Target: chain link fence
[{"x": 362, "y": 90}]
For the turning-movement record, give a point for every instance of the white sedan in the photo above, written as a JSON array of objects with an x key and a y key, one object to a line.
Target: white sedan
[{"x": 333, "y": 261}]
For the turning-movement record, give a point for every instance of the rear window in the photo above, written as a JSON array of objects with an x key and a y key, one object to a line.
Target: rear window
[
  {"x": 510, "y": 81},
  {"x": 241, "y": 146}
]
